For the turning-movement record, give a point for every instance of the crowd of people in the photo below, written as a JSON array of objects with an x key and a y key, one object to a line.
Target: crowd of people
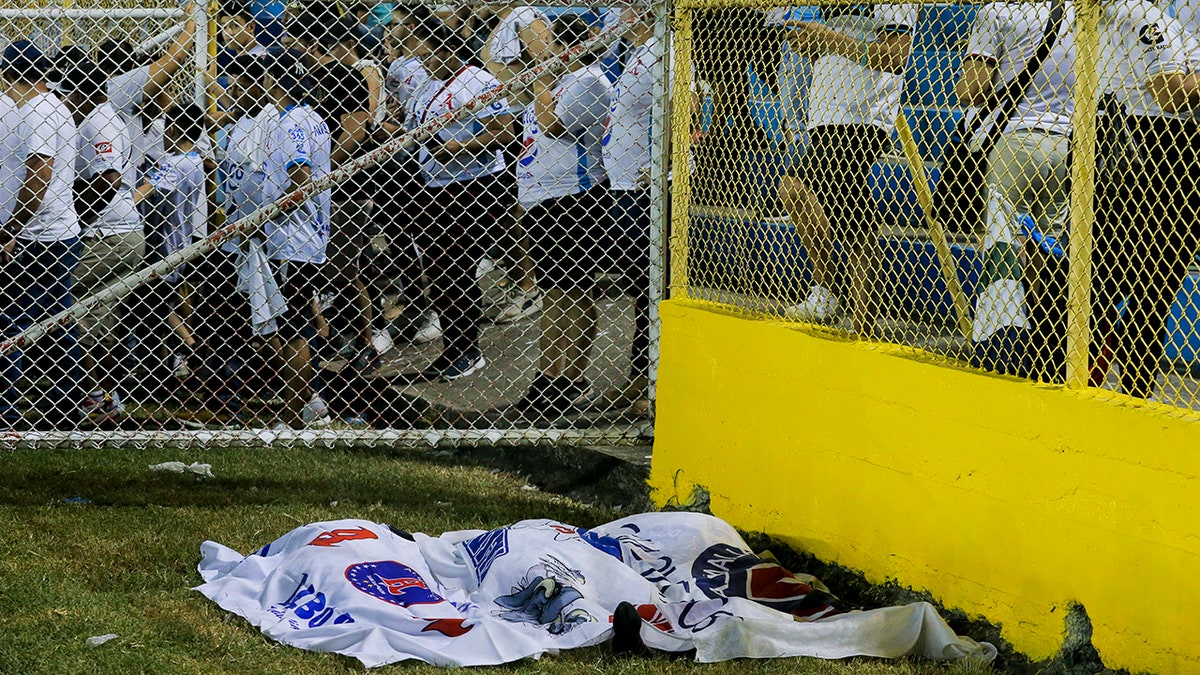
[
  {"x": 853, "y": 59},
  {"x": 107, "y": 169}
]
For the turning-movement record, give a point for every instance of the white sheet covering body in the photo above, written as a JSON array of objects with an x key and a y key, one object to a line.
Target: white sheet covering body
[{"x": 479, "y": 597}]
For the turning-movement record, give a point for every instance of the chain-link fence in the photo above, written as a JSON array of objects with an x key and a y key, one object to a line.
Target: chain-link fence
[
  {"x": 1006, "y": 185},
  {"x": 331, "y": 222}
]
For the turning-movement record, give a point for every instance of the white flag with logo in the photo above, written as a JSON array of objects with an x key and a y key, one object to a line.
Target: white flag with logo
[{"x": 480, "y": 597}]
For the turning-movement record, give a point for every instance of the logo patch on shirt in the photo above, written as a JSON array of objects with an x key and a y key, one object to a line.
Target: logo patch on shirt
[
  {"x": 1150, "y": 35},
  {"x": 103, "y": 148}
]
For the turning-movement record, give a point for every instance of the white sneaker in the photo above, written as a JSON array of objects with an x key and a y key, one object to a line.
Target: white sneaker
[
  {"x": 522, "y": 304},
  {"x": 432, "y": 330},
  {"x": 315, "y": 413},
  {"x": 381, "y": 340},
  {"x": 820, "y": 306}
]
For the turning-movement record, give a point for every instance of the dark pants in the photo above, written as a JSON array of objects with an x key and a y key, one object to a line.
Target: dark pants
[
  {"x": 37, "y": 285},
  {"x": 458, "y": 234},
  {"x": 1147, "y": 235},
  {"x": 631, "y": 243}
]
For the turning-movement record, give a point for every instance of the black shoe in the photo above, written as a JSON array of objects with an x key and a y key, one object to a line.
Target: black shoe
[
  {"x": 434, "y": 370},
  {"x": 627, "y": 632},
  {"x": 536, "y": 397}
]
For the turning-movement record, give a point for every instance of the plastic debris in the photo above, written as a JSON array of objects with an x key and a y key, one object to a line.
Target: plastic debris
[
  {"x": 97, "y": 640},
  {"x": 201, "y": 470}
]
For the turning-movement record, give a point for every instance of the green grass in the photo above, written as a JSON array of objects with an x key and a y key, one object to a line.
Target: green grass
[{"x": 125, "y": 562}]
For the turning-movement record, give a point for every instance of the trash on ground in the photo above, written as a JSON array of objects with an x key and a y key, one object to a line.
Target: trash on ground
[{"x": 201, "y": 470}]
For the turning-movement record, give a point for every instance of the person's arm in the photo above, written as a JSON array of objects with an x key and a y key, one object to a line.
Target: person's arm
[
  {"x": 300, "y": 173},
  {"x": 496, "y": 132},
  {"x": 888, "y": 54},
  {"x": 537, "y": 38},
  {"x": 1175, "y": 92},
  {"x": 355, "y": 128},
  {"x": 370, "y": 73},
  {"x": 39, "y": 169},
  {"x": 93, "y": 194},
  {"x": 178, "y": 53},
  {"x": 976, "y": 82},
  {"x": 582, "y": 103}
]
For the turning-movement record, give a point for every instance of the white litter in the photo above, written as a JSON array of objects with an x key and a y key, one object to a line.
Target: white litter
[
  {"x": 202, "y": 470},
  {"x": 97, "y": 640}
]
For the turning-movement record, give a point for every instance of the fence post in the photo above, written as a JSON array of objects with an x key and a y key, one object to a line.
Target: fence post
[
  {"x": 200, "y": 50},
  {"x": 1083, "y": 187},
  {"x": 660, "y": 163},
  {"x": 681, "y": 148}
]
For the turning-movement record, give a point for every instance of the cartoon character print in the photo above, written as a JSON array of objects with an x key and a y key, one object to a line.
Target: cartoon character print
[{"x": 544, "y": 598}]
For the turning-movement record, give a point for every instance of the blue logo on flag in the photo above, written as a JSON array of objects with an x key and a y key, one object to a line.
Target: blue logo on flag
[
  {"x": 391, "y": 582},
  {"x": 485, "y": 550}
]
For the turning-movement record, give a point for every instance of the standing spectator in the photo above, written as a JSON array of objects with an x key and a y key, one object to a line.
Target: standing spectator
[
  {"x": 627, "y": 163},
  {"x": 228, "y": 323},
  {"x": 563, "y": 188},
  {"x": 1027, "y": 176},
  {"x": 113, "y": 241},
  {"x": 1148, "y": 228},
  {"x": 179, "y": 179},
  {"x": 238, "y": 31},
  {"x": 520, "y": 37},
  {"x": 858, "y": 56},
  {"x": 297, "y": 153},
  {"x": 40, "y": 238},
  {"x": 464, "y": 171},
  {"x": 132, "y": 89},
  {"x": 342, "y": 98}
]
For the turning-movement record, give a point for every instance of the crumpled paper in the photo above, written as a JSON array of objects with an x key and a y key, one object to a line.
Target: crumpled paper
[
  {"x": 97, "y": 640},
  {"x": 201, "y": 470}
]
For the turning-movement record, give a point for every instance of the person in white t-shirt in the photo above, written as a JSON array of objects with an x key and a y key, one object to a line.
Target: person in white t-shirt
[
  {"x": 39, "y": 240},
  {"x": 627, "y": 145},
  {"x": 858, "y": 53},
  {"x": 463, "y": 168},
  {"x": 131, "y": 89},
  {"x": 297, "y": 153},
  {"x": 563, "y": 188},
  {"x": 113, "y": 241},
  {"x": 1148, "y": 220},
  {"x": 520, "y": 38},
  {"x": 1027, "y": 176}
]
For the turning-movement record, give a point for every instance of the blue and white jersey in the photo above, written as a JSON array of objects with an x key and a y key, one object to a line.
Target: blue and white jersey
[
  {"x": 179, "y": 180},
  {"x": 550, "y": 167},
  {"x": 436, "y": 98},
  {"x": 300, "y": 137},
  {"x": 242, "y": 163}
]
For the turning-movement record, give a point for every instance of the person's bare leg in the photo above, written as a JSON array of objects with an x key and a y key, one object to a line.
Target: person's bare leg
[
  {"x": 864, "y": 262},
  {"x": 295, "y": 369},
  {"x": 551, "y": 340},
  {"x": 812, "y": 226},
  {"x": 518, "y": 255},
  {"x": 579, "y": 333}
]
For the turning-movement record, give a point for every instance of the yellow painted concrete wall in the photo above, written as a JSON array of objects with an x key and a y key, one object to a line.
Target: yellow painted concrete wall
[{"x": 1001, "y": 497}]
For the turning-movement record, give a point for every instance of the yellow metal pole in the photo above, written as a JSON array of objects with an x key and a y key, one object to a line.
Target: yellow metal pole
[
  {"x": 936, "y": 231},
  {"x": 681, "y": 150},
  {"x": 1083, "y": 188}
]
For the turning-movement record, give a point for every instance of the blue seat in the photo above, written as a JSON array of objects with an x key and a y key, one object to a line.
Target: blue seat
[
  {"x": 930, "y": 76},
  {"x": 943, "y": 27},
  {"x": 932, "y": 128}
]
